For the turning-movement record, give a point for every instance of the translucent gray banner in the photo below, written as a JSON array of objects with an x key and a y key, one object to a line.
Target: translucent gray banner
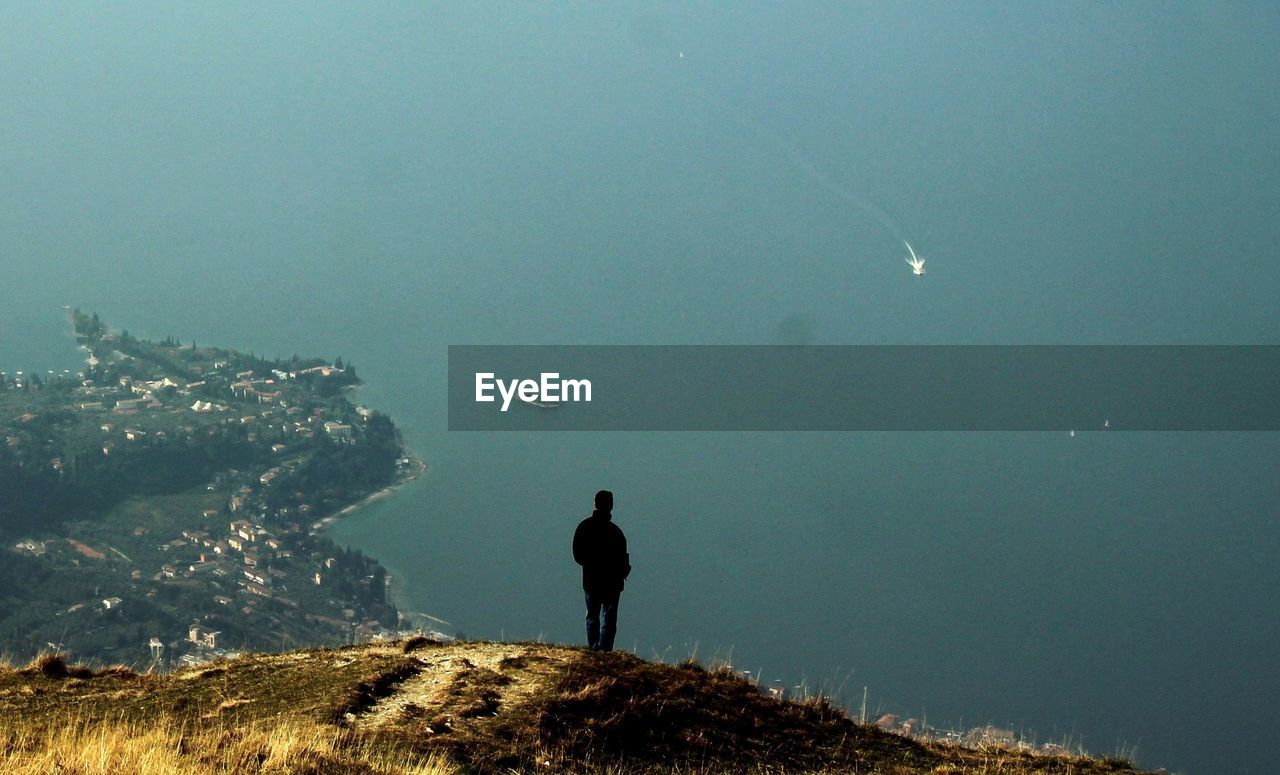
[{"x": 871, "y": 388}]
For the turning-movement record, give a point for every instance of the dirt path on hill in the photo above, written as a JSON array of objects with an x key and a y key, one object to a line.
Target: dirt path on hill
[{"x": 467, "y": 683}]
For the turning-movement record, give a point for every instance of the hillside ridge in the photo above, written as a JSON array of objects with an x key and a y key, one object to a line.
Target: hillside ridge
[{"x": 475, "y": 707}]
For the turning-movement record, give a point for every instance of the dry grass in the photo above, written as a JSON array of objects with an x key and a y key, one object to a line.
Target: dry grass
[
  {"x": 422, "y": 706},
  {"x": 81, "y": 746},
  {"x": 54, "y": 665}
]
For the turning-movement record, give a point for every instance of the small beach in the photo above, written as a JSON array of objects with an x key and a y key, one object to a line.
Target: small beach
[{"x": 416, "y": 469}]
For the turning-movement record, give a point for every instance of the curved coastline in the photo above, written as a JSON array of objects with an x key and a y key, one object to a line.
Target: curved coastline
[
  {"x": 395, "y": 584},
  {"x": 418, "y": 468}
]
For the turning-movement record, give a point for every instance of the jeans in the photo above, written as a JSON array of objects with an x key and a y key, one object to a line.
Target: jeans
[{"x": 606, "y": 606}]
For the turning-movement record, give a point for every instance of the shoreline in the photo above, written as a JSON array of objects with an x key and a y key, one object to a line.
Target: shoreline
[
  {"x": 395, "y": 586},
  {"x": 418, "y": 468}
]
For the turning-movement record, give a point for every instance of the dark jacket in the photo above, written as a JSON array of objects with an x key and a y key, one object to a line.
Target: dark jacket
[{"x": 601, "y": 549}]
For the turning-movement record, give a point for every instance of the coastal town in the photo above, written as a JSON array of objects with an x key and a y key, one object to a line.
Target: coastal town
[{"x": 166, "y": 505}]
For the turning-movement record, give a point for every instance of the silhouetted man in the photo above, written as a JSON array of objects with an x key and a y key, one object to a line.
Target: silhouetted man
[{"x": 601, "y": 549}]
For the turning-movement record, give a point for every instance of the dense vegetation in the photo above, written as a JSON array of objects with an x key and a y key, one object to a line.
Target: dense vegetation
[{"x": 35, "y": 496}]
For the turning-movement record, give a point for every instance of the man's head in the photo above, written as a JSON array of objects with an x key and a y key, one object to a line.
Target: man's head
[{"x": 604, "y": 501}]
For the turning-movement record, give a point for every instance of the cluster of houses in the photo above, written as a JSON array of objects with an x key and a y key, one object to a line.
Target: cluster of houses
[
  {"x": 288, "y": 421},
  {"x": 128, "y": 395},
  {"x": 22, "y": 379},
  {"x": 243, "y": 557},
  {"x": 104, "y": 604},
  {"x": 204, "y": 644}
]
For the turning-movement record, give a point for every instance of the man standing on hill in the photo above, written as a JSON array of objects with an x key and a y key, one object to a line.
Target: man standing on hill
[{"x": 601, "y": 549}]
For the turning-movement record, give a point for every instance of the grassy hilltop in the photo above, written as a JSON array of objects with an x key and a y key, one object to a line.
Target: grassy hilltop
[{"x": 420, "y": 706}]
